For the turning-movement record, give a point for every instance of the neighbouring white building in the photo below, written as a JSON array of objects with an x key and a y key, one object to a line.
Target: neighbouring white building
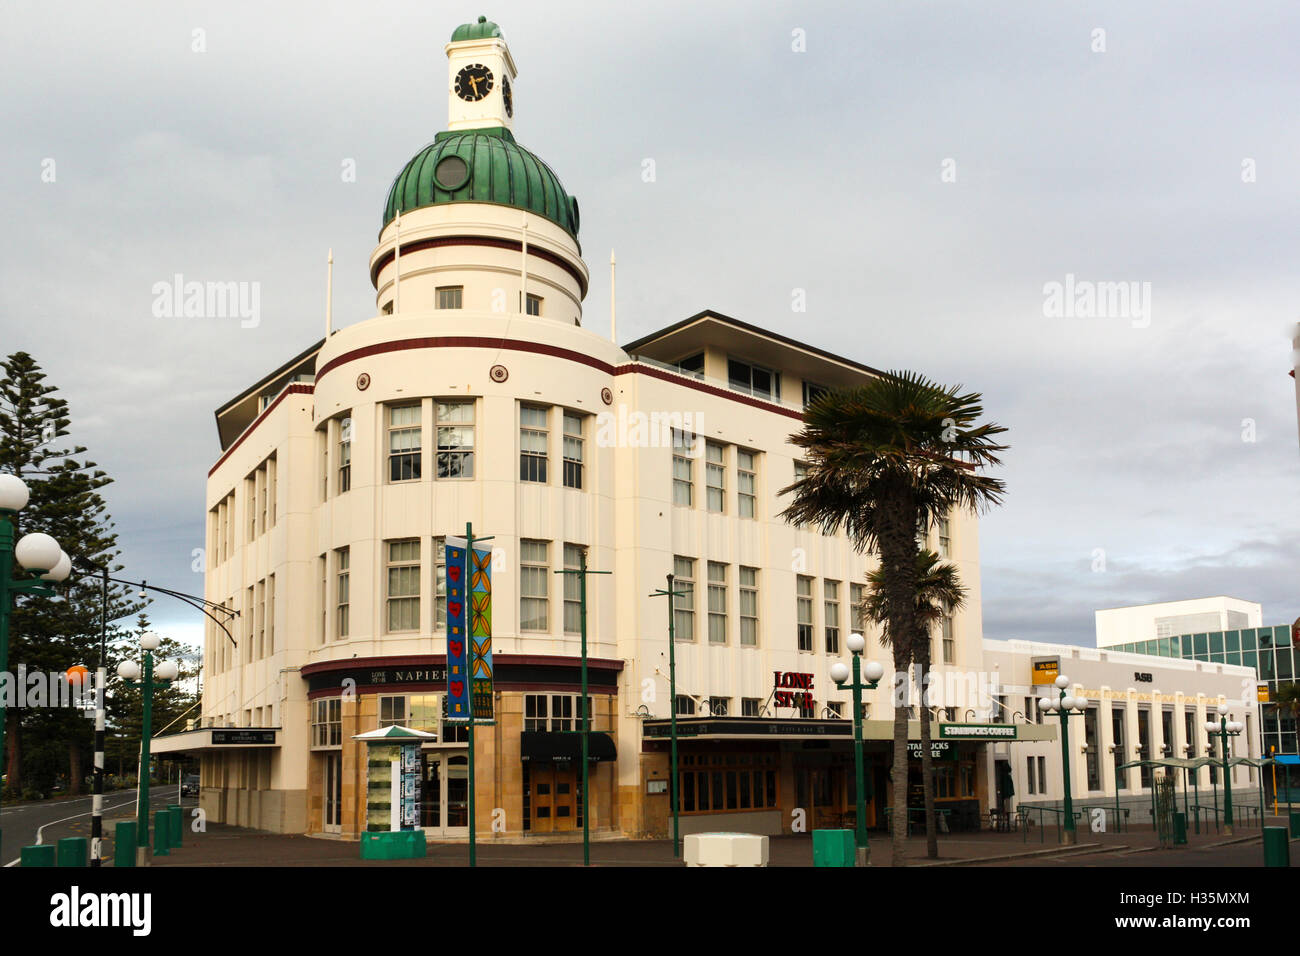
[
  {"x": 1149, "y": 622},
  {"x": 476, "y": 394},
  {"x": 1139, "y": 708}
]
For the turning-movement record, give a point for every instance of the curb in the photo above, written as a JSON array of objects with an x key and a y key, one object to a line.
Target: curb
[{"x": 1053, "y": 851}]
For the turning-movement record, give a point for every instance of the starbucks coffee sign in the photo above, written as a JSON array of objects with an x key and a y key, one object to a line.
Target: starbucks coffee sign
[{"x": 977, "y": 731}]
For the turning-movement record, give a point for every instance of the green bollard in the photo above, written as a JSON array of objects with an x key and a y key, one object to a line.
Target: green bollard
[
  {"x": 124, "y": 843},
  {"x": 73, "y": 852},
  {"x": 1295, "y": 824},
  {"x": 177, "y": 826},
  {"x": 41, "y": 855},
  {"x": 1277, "y": 851},
  {"x": 161, "y": 831},
  {"x": 1180, "y": 829}
]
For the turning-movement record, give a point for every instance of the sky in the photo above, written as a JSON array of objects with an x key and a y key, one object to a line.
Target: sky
[{"x": 936, "y": 180}]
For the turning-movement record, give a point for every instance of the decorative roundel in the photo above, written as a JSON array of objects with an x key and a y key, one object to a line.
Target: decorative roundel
[
  {"x": 498, "y": 373},
  {"x": 607, "y": 396},
  {"x": 451, "y": 173},
  {"x": 573, "y": 206},
  {"x": 363, "y": 381}
]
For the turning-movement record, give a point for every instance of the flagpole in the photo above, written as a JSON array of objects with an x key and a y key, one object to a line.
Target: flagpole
[
  {"x": 397, "y": 255},
  {"x": 329, "y": 295}
]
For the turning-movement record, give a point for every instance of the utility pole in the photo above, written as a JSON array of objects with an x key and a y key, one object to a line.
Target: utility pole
[
  {"x": 672, "y": 707},
  {"x": 582, "y": 573}
]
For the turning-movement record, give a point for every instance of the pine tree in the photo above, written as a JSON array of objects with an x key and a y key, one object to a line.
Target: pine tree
[{"x": 53, "y": 634}]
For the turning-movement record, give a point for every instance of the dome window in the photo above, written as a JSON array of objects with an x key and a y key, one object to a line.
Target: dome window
[{"x": 451, "y": 173}]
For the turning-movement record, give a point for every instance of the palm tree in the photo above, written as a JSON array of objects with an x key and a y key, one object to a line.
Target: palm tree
[
  {"x": 938, "y": 593},
  {"x": 883, "y": 459}
]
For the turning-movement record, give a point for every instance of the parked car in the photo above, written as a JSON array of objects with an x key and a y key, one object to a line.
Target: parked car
[{"x": 190, "y": 785}]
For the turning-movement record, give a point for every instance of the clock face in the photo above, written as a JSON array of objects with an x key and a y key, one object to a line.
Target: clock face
[
  {"x": 507, "y": 96},
  {"x": 474, "y": 82}
]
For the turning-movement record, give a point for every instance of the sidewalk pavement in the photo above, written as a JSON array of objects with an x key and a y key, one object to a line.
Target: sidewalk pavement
[{"x": 224, "y": 845}]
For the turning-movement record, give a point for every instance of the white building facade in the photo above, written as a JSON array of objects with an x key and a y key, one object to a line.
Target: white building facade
[
  {"x": 475, "y": 395},
  {"x": 1149, "y": 622},
  {"x": 1139, "y": 708}
]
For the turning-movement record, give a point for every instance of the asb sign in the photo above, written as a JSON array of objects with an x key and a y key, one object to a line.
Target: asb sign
[{"x": 1046, "y": 670}]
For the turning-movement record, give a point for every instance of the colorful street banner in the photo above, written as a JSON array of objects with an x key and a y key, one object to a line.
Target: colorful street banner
[
  {"x": 458, "y": 705},
  {"x": 480, "y": 633}
]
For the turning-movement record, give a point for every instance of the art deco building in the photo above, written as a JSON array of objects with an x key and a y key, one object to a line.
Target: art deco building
[{"x": 476, "y": 394}]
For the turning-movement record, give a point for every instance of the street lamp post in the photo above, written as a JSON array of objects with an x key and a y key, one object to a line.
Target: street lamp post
[
  {"x": 38, "y": 553},
  {"x": 1224, "y": 728},
  {"x": 154, "y": 678},
  {"x": 672, "y": 709},
  {"x": 1065, "y": 705},
  {"x": 840, "y": 674}
]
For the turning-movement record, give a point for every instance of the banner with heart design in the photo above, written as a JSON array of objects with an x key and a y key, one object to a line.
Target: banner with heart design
[{"x": 458, "y": 697}]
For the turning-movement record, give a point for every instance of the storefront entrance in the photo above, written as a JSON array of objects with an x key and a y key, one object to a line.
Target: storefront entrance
[
  {"x": 332, "y": 821},
  {"x": 444, "y": 798},
  {"x": 553, "y": 796}
]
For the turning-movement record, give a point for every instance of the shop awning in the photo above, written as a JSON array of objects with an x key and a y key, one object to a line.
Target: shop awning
[
  {"x": 551, "y": 746},
  {"x": 1287, "y": 758}
]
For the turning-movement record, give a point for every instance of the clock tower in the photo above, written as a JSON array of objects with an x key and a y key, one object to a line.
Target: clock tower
[{"x": 480, "y": 78}]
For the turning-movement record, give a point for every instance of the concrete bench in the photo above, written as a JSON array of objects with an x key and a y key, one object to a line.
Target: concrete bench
[{"x": 725, "y": 849}]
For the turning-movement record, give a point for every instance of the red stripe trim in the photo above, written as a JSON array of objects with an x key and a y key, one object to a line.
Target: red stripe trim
[
  {"x": 419, "y": 245},
  {"x": 428, "y": 660},
  {"x": 537, "y": 348},
  {"x": 297, "y": 388}
]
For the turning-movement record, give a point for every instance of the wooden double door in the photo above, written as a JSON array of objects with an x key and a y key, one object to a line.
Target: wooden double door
[{"x": 555, "y": 797}]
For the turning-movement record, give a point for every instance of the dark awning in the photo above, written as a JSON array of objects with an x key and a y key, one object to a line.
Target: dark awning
[{"x": 541, "y": 745}]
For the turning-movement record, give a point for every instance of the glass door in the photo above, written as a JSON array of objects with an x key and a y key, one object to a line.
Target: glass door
[
  {"x": 456, "y": 821},
  {"x": 431, "y": 793},
  {"x": 333, "y": 821}
]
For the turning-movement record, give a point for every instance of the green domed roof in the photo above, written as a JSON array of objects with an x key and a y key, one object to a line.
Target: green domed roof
[
  {"x": 482, "y": 165},
  {"x": 476, "y": 31}
]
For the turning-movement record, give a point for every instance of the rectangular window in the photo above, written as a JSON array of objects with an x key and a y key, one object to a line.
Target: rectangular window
[
  {"x": 572, "y": 590},
  {"x": 1029, "y": 783},
  {"x": 749, "y": 706},
  {"x": 534, "y": 584},
  {"x": 717, "y": 603},
  {"x": 574, "y": 450},
  {"x": 260, "y": 592},
  {"x": 746, "y": 483},
  {"x": 403, "y": 585},
  {"x": 683, "y": 469},
  {"x": 1120, "y": 741},
  {"x": 834, "y": 709},
  {"x": 685, "y": 705},
  {"x": 812, "y": 391},
  {"x": 323, "y": 591},
  {"x": 440, "y": 583},
  {"x": 754, "y": 379},
  {"x": 945, "y": 538},
  {"x": 270, "y": 614},
  {"x": 719, "y": 706},
  {"x": 533, "y": 306},
  {"x": 831, "y": 608},
  {"x": 949, "y": 641},
  {"x": 456, "y": 439},
  {"x": 450, "y": 296},
  {"x": 345, "y": 455},
  {"x": 327, "y": 722},
  {"x": 748, "y": 607},
  {"x": 534, "y": 437},
  {"x": 404, "y": 443},
  {"x": 392, "y": 711},
  {"x": 804, "y": 608},
  {"x": 1092, "y": 741},
  {"x": 857, "y": 612},
  {"x": 684, "y": 606},
  {"x": 715, "y": 477},
  {"x": 342, "y": 586}
]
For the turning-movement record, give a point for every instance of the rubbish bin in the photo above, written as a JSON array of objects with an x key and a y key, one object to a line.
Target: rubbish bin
[
  {"x": 161, "y": 831},
  {"x": 124, "y": 843},
  {"x": 40, "y": 855},
  {"x": 1180, "y": 829},
  {"x": 1277, "y": 851},
  {"x": 833, "y": 848},
  {"x": 72, "y": 851},
  {"x": 177, "y": 825}
]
